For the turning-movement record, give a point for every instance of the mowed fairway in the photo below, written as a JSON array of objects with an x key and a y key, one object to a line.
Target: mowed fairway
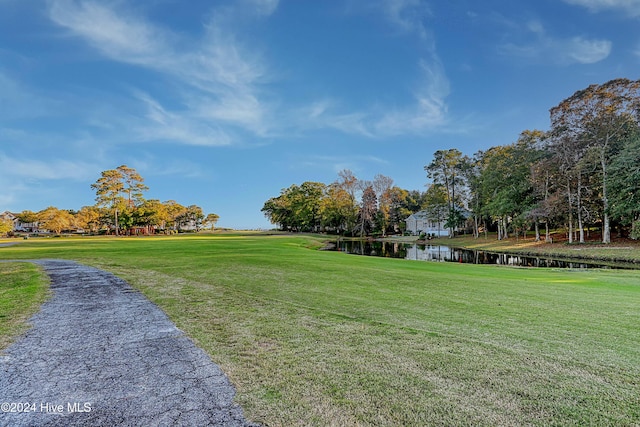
[{"x": 321, "y": 338}]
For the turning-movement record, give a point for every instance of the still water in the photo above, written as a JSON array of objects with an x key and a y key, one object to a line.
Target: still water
[{"x": 451, "y": 254}]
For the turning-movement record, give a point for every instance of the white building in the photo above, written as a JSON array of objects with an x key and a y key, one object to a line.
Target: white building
[
  {"x": 21, "y": 227},
  {"x": 420, "y": 222}
]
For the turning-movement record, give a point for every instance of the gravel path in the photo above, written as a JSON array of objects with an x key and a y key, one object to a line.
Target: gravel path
[{"x": 101, "y": 354}]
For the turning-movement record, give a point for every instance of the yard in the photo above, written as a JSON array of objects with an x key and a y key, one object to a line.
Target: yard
[{"x": 313, "y": 337}]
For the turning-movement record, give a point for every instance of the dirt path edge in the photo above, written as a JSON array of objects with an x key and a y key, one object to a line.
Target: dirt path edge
[{"x": 100, "y": 354}]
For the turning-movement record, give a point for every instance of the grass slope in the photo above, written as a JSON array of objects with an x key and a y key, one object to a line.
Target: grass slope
[{"x": 325, "y": 338}]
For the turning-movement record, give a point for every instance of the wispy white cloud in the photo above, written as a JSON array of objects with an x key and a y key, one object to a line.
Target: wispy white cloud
[
  {"x": 328, "y": 114},
  {"x": 33, "y": 184},
  {"x": 18, "y": 101},
  {"x": 175, "y": 127},
  {"x": 337, "y": 163},
  {"x": 630, "y": 7},
  {"x": 216, "y": 63},
  {"x": 426, "y": 113},
  {"x": 242, "y": 109},
  {"x": 218, "y": 70},
  {"x": 53, "y": 169},
  {"x": 560, "y": 51},
  {"x": 430, "y": 111},
  {"x": 117, "y": 35},
  {"x": 587, "y": 51},
  {"x": 221, "y": 80},
  {"x": 154, "y": 164},
  {"x": 408, "y": 15},
  {"x": 260, "y": 7},
  {"x": 178, "y": 167}
]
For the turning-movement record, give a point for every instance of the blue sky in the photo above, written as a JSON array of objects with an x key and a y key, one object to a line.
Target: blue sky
[{"x": 224, "y": 103}]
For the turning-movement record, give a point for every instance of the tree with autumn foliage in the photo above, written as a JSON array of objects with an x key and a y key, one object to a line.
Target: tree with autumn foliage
[
  {"x": 334, "y": 208},
  {"x": 337, "y": 209},
  {"x": 598, "y": 119},
  {"x": 382, "y": 186},
  {"x": 368, "y": 209},
  {"x": 88, "y": 218},
  {"x": 55, "y": 220},
  {"x": 211, "y": 219},
  {"x": 6, "y": 226},
  {"x": 118, "y": 190}
]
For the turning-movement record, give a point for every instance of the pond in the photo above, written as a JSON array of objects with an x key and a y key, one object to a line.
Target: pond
[{"x": 443, "y": 253}]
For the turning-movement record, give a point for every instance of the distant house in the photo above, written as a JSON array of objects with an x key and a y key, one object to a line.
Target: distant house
[
  {"x": 189, "y": 225},
  {"x": 420, "y": 222},
  {"x": 21, "y": 227}
]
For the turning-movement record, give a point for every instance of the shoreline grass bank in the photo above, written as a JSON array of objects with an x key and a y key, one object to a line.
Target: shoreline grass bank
[{"x": 620, "y": 250}]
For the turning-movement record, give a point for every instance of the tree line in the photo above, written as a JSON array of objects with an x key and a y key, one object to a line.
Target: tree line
[
  {"x": 121, "y": 209},
  {"x": 583, "y": 173},
  {"x": 348, "y": 206}
]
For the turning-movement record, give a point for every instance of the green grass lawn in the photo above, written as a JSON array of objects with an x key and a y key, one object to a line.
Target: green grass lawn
[
  {"x": 324, "y": 338},
  {"x": 23, "y": 287}
]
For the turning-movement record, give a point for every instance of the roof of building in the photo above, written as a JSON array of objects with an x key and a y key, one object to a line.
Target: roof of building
[
  {"x": 7, "y": 214},
  {"x": 419, "y": 215}
]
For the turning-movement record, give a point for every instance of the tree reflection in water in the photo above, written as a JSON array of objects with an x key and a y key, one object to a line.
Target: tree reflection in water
[{"x": 443, "y": 253}]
